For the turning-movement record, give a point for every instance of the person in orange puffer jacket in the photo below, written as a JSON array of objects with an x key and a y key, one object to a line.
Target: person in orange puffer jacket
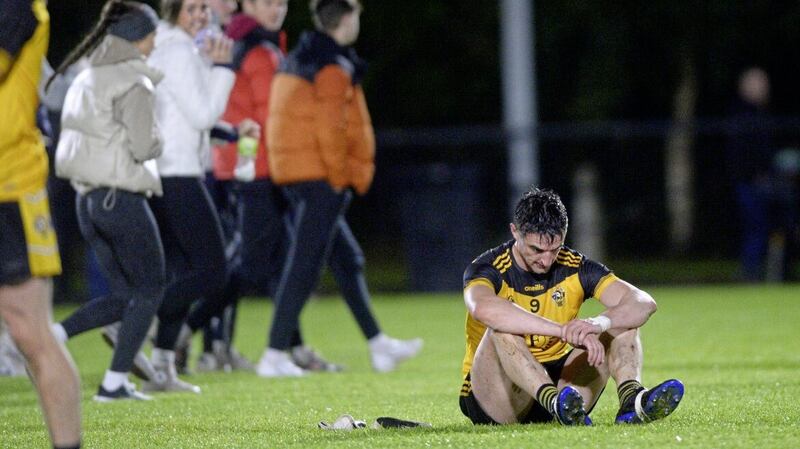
[{"x": 321, "y": 146}]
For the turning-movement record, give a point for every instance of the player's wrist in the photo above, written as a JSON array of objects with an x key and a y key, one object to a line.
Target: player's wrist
[{"x": 601, "y": 321}]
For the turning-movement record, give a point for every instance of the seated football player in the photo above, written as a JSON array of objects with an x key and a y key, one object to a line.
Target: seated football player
[{"x": 528, "y": 358}]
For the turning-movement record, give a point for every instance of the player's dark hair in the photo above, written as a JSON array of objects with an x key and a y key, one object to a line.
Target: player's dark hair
[
  {"x": 111, "y": 12},
  {"x": 328, "y": 13},
  {"x": 540, "y": 211}
]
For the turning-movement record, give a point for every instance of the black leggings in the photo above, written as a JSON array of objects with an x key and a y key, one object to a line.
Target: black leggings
[
  {"x": 195, "y": 254},
  {"x": 122, "y": 232}
]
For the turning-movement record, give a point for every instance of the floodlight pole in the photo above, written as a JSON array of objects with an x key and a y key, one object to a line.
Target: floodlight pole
[{"x": 519, "y": 95}]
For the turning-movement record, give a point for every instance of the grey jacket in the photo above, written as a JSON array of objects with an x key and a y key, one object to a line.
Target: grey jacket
[{"x": 109, "y": 137}]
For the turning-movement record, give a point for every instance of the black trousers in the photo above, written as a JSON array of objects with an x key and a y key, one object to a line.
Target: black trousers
[
  {"x": 319, "y": 232},
  {"x": 255, "y": 263},
  {"x": 194, "y": 248}
]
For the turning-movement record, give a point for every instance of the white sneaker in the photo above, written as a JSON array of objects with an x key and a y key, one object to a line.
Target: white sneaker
[
  {"x": 387, "y": 352},
  {"x": 167, "y": 375},
  {"x": 310, "y": 360},
  {"x": 171, "y": 384},
  {"x": 207, "y": 363},
  {"x": 238, "y": 362},
  {"x": 276, "y": 363},
  {"x": 343, "y": 422}
]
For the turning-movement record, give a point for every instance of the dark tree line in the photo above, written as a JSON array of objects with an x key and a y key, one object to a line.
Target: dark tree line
[{"x": 436, "y": 62}]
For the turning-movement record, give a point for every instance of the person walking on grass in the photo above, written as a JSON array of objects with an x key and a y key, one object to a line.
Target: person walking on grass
[
  {"x": 528, "y": 358},
  {"x": 259, "y": 50},
  {"x": 108, "y": 141},
  {"x": 321, "y": 147},
  {"x": 189, "y": 102},
  {"x": 259, "y": 46}
]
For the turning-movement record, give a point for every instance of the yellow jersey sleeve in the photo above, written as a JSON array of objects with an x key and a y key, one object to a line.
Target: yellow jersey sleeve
[{"x": 24, "y": 38}]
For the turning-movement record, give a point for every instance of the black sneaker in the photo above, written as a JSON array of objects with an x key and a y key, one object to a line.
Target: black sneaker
[
  {"x": 125, "y": 391},
  {"x": 653, "y": 404}
]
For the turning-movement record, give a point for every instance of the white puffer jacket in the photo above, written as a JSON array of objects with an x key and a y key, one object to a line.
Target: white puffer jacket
[
  {"x": 189, "y": 101},
  {"x": 98, "y": 147}
]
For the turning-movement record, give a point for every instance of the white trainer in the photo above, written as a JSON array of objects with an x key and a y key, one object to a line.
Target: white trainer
[
  {"x": 386, "y": 352},
  {"x": 276, "y": 363},
  {"x": 167, "y": 375},
  {"x": 207, "y": 363},
  {"x": 310, "y": 360},
  {"x": 239, "y": 362}
]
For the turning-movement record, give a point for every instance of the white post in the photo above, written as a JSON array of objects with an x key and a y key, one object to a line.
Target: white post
[
  {"x": 587, "y": 227},
  {"x": 519, "y": 95}
]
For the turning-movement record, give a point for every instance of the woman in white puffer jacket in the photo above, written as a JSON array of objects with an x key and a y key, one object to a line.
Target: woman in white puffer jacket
[
  {"x": 108, "y": 142},
  {"x": 189, "y": 101}
]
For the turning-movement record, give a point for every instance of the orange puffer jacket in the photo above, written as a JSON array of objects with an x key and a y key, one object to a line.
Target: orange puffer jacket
[{"x": 319, "y": 126}]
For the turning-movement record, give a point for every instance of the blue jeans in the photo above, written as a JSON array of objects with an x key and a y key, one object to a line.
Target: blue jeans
[{"x": 122, "y": 232}]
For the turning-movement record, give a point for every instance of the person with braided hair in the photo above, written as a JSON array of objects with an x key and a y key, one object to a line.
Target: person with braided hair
[
  {"x": 108, "y": 143},
  {"x": 28, "y": 250}
]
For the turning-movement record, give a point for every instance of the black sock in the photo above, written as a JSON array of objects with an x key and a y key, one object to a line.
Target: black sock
[
  {"x": 628, "y": 390},
  {"x": 545, "y": 397},
  {"x": 78, "y": 446}
]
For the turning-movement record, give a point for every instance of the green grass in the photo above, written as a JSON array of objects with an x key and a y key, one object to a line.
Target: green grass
[{"x": 733, "y": 346}]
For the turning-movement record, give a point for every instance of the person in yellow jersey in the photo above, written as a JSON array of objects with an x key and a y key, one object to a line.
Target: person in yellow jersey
[
  {"x": 528, "y": 358},
  {"x": 28, "y": 250}
]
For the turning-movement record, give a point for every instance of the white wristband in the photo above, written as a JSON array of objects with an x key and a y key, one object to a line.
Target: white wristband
[{"x": 601, "y": 320}]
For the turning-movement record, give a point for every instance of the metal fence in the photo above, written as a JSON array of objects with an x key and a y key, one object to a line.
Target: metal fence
[{"x": 441, "y": 196}]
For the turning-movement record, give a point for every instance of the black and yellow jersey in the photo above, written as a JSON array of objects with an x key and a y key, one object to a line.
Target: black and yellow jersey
[
  {"x": 24, "y": 37},
  {"x": 556, "y": 295}
]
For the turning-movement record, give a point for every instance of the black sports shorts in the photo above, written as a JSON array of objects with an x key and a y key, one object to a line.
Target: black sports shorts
[{"x": 27, "y": 240}]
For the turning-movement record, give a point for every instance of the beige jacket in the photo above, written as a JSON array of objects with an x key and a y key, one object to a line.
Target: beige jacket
[{"x": 109, "y": 136}]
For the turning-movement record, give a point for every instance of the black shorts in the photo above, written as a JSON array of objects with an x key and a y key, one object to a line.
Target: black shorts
[
  {"x": 537, "y": 413},
  {"x": 28, "y": 245}
]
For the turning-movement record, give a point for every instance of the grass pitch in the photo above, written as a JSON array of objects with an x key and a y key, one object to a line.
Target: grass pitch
[{"x": 734, "y": 347}]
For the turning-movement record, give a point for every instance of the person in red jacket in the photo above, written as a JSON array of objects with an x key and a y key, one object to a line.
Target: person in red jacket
[
  {"x": 320, "y": 146},
  {"x": 259, "y": 46},
  {"x": 258, "y": 50}
]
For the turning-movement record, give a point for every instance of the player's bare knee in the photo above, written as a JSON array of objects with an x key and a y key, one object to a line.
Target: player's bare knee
[
  {"x": 626, "y": 336},
  {"x": 26, "y": 336},
  {"x": 509, "y": 344},
  {"x": 505, "y": 338}
]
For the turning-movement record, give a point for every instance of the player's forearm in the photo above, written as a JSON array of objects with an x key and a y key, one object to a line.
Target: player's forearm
[
  {"x": 504, "y": 316},
  {"x": 632, "y": 311}
]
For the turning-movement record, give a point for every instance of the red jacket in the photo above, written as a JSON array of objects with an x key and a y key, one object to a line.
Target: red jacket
[{"x": 257, "y": 54}]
